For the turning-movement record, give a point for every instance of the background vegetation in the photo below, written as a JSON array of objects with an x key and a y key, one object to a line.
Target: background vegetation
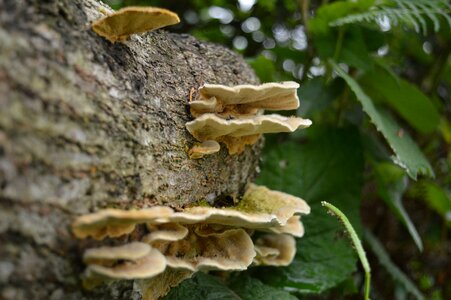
[{"x": 375, "y": 78}]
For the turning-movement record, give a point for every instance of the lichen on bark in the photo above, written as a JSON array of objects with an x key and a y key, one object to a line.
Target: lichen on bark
[{"x": 87, "y": 124}]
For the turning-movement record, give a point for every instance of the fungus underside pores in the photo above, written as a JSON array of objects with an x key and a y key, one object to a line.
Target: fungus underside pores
[
  {"x": 260, "y": 230},
  {"x": 234, "y": 115}
]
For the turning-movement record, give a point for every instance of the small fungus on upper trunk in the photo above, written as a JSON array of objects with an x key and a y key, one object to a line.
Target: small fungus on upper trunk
[{"x": 133, "y": 19}]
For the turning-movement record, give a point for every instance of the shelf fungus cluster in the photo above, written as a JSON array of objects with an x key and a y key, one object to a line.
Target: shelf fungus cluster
[
  {"x": 119, "y": 25},
  {"x": 260, "y": 230},
  {"x": 234, "y": 115}
]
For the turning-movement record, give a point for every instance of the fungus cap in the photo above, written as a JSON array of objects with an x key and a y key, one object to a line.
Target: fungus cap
[
  {"x": 165, "y": 232},
  {"x": 129, "y": 20},
  {"x": 105, "y": 255},
  {"x": 259, "y": 199},
  {"x": 260, "y": 208},
  {"x": 225, "y": 250},
  {"x": 263, "y": 251},
  {"x": 202, "y": 106},
  {"x": 284, "y": 244},
  {"x": 293, "y": 227},
  {"x": 211, "y": 127},
  {"x": 148, "y": 266},
  {"x": 226, "y": 216},
  {"x": 271, "y": 96},
  {"x": 115, "y": 222},
  {"x": 205, "y": 148}
]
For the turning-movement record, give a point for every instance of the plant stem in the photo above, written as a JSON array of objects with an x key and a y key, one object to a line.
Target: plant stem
[
  {"x": 432, "y": 79},
  {"x": 338, "y": 46},
  {"x": 356, "y": 242},
  {"x": 304, "y": 6}
]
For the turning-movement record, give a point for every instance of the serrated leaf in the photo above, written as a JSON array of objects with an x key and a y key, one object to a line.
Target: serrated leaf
[
  {"x": 326, "y": 168},
  {"x": 391, "y": 268},
  {"x": 202, "y": 286},
  {"x": 392, "y": 183},
  {"x": 439, "y": 200},
  {"x": 249, "y": 288},
  {"x": 407, "y": 154},
  {"x": 414, "y": 106}
]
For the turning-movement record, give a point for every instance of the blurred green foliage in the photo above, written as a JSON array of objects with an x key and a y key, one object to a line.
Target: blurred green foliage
[{"x": 375, "y": 79}]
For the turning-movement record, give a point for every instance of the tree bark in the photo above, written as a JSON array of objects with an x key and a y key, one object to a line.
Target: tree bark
[{"x": 87, "y": 124}]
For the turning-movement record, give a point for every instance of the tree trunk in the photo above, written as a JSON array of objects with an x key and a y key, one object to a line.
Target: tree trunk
[{"x": 87, "y": 124}]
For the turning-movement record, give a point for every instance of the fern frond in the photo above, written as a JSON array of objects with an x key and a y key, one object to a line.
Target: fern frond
[
  {"x": 413, "y": 13},
  {"x": 418, "y": 16}
]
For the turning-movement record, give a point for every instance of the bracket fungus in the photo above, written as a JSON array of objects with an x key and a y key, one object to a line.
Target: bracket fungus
[
  {"x": 234, "y": 115},
  {"x": 115, "y": 222},
  {"x": 230, "y": 249},
  {"x": 165, "y": 232},
  {"x": 133, "y": 19},
  {"x": 131, "y": 261},
  {"x": 194, "y": 239},
  {"x": 245, "y": 99},
  {"x": 205, "y": 148},
  {"x": 275, "y": 250}
]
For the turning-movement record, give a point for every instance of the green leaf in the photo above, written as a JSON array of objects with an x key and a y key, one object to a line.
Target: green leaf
[
  {"x": 327, "y": 167},
  {"x": 347, "y": 46},
  {"x": 414, "y": 106},
  {"x": 354, "y": 51},
  {"x": 392, "y": 183},
  {"x": 249, "y": 288},
  {"x": 202, "y": 286},
  {"x": 439, "y": 200},
  {"x": 269, "y": 5},
  {"x": 407, "y": 153},
  {"x": 264, "y": 68},
  {"x": 326, "y": 14},
  {"x": 397, "y": 275},
  {"x": 316, "y": 96}
]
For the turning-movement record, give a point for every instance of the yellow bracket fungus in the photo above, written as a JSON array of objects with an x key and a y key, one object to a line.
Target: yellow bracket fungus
[
  {"x": 196, "y": 238},
  {"x": 130, "y": 20},
  {"x": 165, "y": 232},
  {"x": 229, "y": 250},
  {"x": 275, "y": 250},
  {"x": 115, "y": 222},
  {"x": 237, "y": 100},
  {"x": 131, "y": 261},
  {"x": 234, "y": 115}
]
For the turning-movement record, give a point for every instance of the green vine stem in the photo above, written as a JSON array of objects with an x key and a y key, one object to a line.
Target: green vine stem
[{"x": 355, "y": 241}]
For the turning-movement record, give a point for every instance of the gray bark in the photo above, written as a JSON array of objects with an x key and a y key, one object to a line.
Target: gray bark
[{"x": 86, "y": 124}]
